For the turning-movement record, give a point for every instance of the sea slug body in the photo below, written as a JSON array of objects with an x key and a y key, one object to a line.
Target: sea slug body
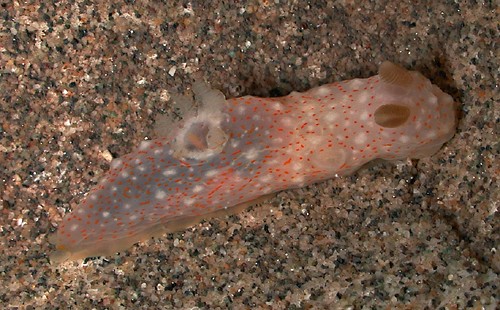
[{"x": 229, "y": 153}]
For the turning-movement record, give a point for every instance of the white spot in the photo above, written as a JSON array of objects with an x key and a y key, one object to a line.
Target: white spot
[
  {"x": 134, "y": 178},
  {"x": 197, "y": 188},
  {"x": 114, "y": 188},
  {"x": 235, "y": 143},
  {"x": 404, "y": 139},
  {"x": 315, "y": 140},
  {"x": 144, "y": 145},
  {"x": 363, "y": 97},
  {"x": 116, "y": 163},
  {"x": 189, "y": 201},
  {"x": 124, "y": 174},
  {"x": 266, "y": 178},
  {"x": 158, "y": 151},
  {"x": 105, "y": 214},
  {"x": 267, "y": 190},
  {"x": 160, "y": 195},
  {"x": 360, "y": 138},
  {"x": 430, "y": 135},
  {"x": 357, "y": 83},
  {"x": 141, "y": 168},
  {"x": 323, "y": 90},
  {"x": 93, "y": 197},
  {"x": 298, "y": 180},
  {"x": 297, "y": 166},
  {"x": 169, "y": 172},
  {"x": 273, "y": 162},
  {"x": 256, "y": 117},
  {"x": 74, "y": 227},
  {"x": 251, "y": 154},
  {"x": 287, "y": 121},
  {"x": 363, "y": 116},
  {"x": 127, "y": 206},
  {"x": 133, "y": 217},
  {"x": 331, "y": 116},
  {"x": 311, "y": 128},
  {"x": 211, "y": 173},
  {"x": 241, "y": 109}
]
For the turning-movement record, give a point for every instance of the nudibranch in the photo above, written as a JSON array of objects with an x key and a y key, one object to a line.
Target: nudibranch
[{"x": 227, "y": 153}]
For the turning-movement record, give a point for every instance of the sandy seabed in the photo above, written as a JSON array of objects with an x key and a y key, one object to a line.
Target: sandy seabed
[{"x": 81, "y": 82}]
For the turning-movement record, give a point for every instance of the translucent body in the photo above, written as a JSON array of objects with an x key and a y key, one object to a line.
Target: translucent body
[{"x": 231, "y": 152}]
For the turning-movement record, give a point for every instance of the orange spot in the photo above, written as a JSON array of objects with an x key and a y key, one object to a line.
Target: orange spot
[{"x": 125, "y": 192}]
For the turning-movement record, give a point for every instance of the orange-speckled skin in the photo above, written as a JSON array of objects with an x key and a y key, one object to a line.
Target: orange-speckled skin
[{"x": 266, "y": 145}]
